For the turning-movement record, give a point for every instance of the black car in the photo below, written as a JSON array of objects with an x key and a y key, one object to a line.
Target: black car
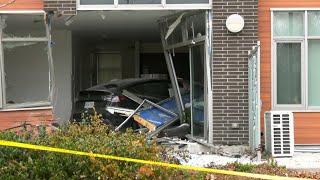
[{"x": 110, "y": 94}]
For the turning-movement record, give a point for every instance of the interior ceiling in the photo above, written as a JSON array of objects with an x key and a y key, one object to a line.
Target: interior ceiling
[{"x": 140, "y": 25}]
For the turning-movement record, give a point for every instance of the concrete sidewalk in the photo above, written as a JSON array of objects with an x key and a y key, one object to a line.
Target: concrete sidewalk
[{"x": 301, "y": 161}]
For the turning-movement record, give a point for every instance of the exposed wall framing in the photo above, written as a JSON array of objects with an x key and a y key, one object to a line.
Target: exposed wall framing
[{"x": 180, "y": 31}]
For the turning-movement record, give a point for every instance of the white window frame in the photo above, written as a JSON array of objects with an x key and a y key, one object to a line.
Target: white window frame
[
  {"x": 47, "y": 38},
  {"x": 274, "y": 67},
  {"x": 304, "y": 107},
  {"x": 162, "y": 6}
]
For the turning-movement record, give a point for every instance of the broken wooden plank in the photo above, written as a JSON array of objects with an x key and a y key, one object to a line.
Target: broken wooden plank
[{"x": 144, "y": 123}]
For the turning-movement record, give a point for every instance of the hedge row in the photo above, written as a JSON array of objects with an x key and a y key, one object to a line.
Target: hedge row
[{"x": 94, "y": 137}]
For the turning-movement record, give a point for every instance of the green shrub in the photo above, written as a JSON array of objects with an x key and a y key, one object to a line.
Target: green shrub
[
  {"x": 244, "y": 167},
  {"x": 94, "y": 137}
]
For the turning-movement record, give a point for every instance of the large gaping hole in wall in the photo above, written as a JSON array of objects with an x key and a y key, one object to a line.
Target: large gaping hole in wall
[{"x": 121, "y": 58}]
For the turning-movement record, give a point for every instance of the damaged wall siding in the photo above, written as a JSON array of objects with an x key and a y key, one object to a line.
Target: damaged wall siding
[
  {"x": 230, "y": 70},
  {"x": 64, "y": 7},
  {"x": 62, "y": 58}
]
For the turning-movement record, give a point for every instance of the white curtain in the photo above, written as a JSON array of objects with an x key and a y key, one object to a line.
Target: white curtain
[
  {"x": 314, "y": 72},
  {"x": 289, "y": 73},
  {"x": 288, "y": 24}
]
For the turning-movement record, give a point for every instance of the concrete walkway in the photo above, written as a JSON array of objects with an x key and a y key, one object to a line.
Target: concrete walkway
[{"x": 301, "y": 161}]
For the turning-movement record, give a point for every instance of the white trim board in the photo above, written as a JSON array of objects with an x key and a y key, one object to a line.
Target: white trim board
[
  {"x": 144, "y": 6},
  {"x": 294, "y": 9},
  {"x": 27, "y": 109},
  {"x": 23, "y": 12}
]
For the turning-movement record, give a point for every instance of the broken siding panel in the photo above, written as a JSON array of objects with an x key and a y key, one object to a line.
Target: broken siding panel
[
  {"x": 307, "y": 125},
  {"x": 22, "y": 5},
  {"x": 9, "y": 119}
]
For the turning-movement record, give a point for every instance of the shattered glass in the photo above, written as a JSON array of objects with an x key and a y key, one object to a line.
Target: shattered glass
[
  {"x": 196, "y": 27},
  {"x": 24, "y": 26}
]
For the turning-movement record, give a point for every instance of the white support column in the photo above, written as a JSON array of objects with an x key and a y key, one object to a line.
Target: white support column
[
  {"x": 208, "y": 74},
  {"x": 116, "y": 3},
  {"x": 50, "y": 58},
  {"x": 163, "y": 2},
  {"x": 2, "y": 74}
]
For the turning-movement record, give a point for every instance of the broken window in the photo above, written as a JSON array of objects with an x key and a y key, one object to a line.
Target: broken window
[
  {"x": 188, "y": 31},
  {"x": 26, "y": 61},
  {"x": 195, "y": 26},
  {"x": 26, "y": 72},
  {"x": 197, "y": 92},
  {"x": 21, "y": 25},
  {"x": 183, "y": 29}
]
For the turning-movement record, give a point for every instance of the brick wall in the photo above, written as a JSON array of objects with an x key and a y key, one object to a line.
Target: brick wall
[
  {"x": 230, "y": 70},
  {"x": 63, "y": 7}
]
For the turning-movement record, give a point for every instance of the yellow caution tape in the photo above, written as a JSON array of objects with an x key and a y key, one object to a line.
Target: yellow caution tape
[{"x": 207, "y": 170}]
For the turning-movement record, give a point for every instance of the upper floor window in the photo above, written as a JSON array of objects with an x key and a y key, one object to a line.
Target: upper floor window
[
  {"x": 143, "y": 4},
  {"x": 296, "y": 60}
]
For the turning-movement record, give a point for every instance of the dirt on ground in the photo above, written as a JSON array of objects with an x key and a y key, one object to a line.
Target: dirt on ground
[{"x": 268, "y": 169}]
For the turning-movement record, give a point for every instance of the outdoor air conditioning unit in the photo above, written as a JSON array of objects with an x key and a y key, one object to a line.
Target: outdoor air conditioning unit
[{"x": 279, "y": 133}]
